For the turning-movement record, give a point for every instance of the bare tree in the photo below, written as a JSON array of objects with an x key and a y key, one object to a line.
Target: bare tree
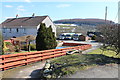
[{"x": 110, "y": 37}]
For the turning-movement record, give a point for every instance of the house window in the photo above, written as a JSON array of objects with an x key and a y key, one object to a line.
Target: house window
[
  {"x": 10, "y": 30},
  {"x": 24, "y": 31},
  {"x": 3, "y": 30},
  {"x": 17, "y": 29}
]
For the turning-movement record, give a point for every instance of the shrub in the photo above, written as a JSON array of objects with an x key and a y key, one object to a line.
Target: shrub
[
  {"x": 32, "y": 46},
  {"x": 8, "y": 47},
  {"x": 93, "y": 37},
  {"x": 17, "y": 48},
  {"x": 45, "y": 38},
  {"x": 5, "y": 46},
  {"x": 23, "y": 46},
  {"x": 8, "y": 43}
]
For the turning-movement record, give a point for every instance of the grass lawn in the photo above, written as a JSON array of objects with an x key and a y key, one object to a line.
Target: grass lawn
[
  {"x": 106, "y": 53},
  {"x": 69, "y": 64},
  {"x": 18, "y": 52},
  {"x": 23, "y": 52}
]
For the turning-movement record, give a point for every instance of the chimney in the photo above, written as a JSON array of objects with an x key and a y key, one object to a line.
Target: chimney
[
  {"x": 17, "y": 16},
  {"x": 33, "y": 15}
]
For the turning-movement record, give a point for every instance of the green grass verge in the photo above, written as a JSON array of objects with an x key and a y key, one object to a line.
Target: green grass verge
[
  {"x": 18, "y": 52},
  {"x": 23, "y": 52},
  {"x": 108, "y": 53},
  {"x": 69, "y": 64}
]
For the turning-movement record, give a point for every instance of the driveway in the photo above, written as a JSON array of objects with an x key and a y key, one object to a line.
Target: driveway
[
  {"x": 29, "y": 71},
  {"x": 106, "y": 71}
]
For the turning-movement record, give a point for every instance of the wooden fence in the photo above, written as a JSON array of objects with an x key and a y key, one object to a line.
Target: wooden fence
[{"x": 19, "y": 59}]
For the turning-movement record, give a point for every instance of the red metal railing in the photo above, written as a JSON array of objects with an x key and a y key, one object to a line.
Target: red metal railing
[{"x": 19, "y": 59}]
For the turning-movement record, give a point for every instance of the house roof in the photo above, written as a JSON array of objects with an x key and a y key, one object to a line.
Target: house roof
[{"x": 23, "y": 21}]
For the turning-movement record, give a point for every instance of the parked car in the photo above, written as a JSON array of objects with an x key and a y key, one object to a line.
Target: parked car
[
  {"x": 77, "y": 36},
  {"x": 64, "y": 36},
  {"x": 61, "y": 36}
]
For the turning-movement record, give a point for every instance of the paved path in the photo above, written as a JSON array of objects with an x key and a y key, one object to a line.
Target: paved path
[
  {"x": 109, "y": 71},
  {"x": 29, "y": 71}
]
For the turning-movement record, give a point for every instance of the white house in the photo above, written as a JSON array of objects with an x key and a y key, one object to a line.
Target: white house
[{"x": 16, "y": 27}]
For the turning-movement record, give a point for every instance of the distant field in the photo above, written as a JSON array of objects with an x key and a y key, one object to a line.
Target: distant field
[
  {"x": 69, "y": 29},
  {"x": 65, "y": 26}
]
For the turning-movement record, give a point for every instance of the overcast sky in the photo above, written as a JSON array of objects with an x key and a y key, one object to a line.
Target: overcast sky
[{"x": 60, "y": 9}]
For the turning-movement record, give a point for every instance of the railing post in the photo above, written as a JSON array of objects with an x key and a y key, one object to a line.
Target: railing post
[
  {"x": 3, "y": 58},
  {"x": 26, "y": 63}
]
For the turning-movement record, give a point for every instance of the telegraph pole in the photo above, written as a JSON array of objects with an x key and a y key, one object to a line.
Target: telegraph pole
[
  {"x": 105, "y": 14},
  {"x": 104, "y": 41}
]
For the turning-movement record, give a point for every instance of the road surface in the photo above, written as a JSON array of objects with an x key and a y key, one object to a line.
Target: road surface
[
  {"x": 29, "y": 71},
  {"x": 106, "y": 71}
]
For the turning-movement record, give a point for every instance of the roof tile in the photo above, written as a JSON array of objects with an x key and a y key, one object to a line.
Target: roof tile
[{"x": 23, "y": 21}]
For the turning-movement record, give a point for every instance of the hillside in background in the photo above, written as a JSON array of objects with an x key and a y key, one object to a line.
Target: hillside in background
[
  {"x": 82, "y": 25},
  {"x": 80, "y": 22}
]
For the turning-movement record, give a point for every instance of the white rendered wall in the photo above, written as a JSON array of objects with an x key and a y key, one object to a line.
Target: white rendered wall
[
  {"x": 31, "y": 31},
  {"x": 48, "y": 22},
  {"x": 7, "y": 34}
]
